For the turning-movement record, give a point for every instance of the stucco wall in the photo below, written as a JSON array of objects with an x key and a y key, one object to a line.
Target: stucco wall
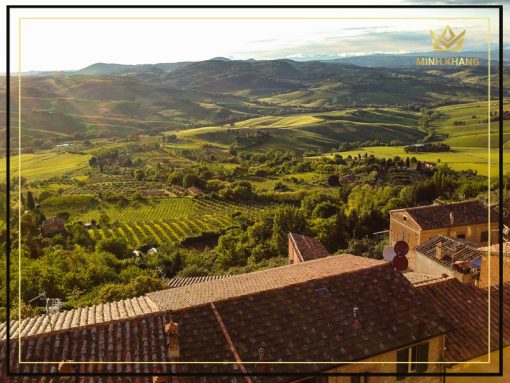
[
  {"x": 494, "y": 270},
  {"x": 403, "y": 227},
  {"x": 293, "y": 253},
  {"x": 386, "y": 363},
  {"x": 428, "y": 266}
]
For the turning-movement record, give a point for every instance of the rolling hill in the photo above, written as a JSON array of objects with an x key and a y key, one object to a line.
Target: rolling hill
[{"x": 111, "y": 100}]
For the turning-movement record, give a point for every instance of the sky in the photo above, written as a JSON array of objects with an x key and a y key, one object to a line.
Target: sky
[{"x": 72, "y": 39}]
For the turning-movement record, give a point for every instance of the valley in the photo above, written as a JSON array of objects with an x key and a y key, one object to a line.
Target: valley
[{"x": 213, "y": 163}]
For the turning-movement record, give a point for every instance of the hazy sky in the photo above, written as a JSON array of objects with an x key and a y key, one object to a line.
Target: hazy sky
[{"x": 51, "y": 41}]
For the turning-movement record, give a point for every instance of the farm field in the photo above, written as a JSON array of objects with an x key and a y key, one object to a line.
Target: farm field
[
  {"x": 213, "y": 163},
  {"x": 312, "y": 130},
  {"x": 46, "y": 165},
  {"x": 164, "y": 208},
  {"x": 162, "y": 220},
  {"x": 459, "y": 158},
  {"x": 465, "y": 125},
  {"x": 164, "y": 230}
]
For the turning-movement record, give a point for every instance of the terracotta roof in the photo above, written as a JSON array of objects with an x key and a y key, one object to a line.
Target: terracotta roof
[
  {"x": 314, "y": 321},
  {"x": 308, "y": 248},
  {"x": 464, "y": 213},
  {"x": 193, "y": 190},
  {"x": 466, "y": 307},
  {"x": 137, "y": 339},
  {"x": 185, "y": 281},
  {"x": 54, "y": 221},
  {"x": 311, "y": 320},
  {"x": 112, "y": 311},
  {"x": 494, "y": 249},
  {"x": 454, "y": 250},
  {"x": 250, "y": 283}
]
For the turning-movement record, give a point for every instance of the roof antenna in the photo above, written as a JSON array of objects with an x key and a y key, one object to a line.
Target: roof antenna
[
  {"x": 53, "y": 306},
  {"x": 355, "y": 321}
]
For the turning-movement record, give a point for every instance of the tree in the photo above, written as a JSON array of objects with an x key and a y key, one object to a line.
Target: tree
[
  {"x": 104, "y": 220},
  {"x": 139, "y": 174},
  {"x": 333, "y": 180},
  {"x": 81, "y": 236},
  {"x": 115, "y": 246},
  {"x": 30, "y": 201},
  {"x": 286, "y": 219}
]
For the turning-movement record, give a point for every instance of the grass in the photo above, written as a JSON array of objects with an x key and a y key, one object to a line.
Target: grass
[
  {"x": 45, "y": 165},
  {"x": 474, "y": 131},
  {"x": 312, "y": 131},
  {"x": 461, "y": 158}
]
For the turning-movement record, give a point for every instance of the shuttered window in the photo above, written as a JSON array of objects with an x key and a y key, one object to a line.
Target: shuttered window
[
  {"x": 420, "y": 353},
  {"x": 414, "y": 359}
]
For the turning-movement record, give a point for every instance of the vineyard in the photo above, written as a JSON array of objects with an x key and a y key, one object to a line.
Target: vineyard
[
  {"x": 164, "y": 219},
  {"x": 164, "y": 230},
  {"x": 162, "y": 208}
]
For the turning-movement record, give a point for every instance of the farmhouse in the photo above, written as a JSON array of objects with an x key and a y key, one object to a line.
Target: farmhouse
[
  {"x": 303, "y": 248},
  {"x": 447, "y": 256},
  {"x": 194, "y": 190},
  {"x": 337, "y": 309},
  {"x": 53, "y": 225},
  {"x": 463, "y": 220}
]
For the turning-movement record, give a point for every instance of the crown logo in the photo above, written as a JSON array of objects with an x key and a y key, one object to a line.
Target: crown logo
[{"x": 448, "y": 41}]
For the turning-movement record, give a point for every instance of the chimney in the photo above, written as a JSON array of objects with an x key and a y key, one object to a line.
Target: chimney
[
  {"x": 463, "y": 272},
  {"x": 172, "y": 330},
  {"x": 439, "y": 250},
  {"x": 452, "y": 219},
  {"x": 65, "y": 367}
]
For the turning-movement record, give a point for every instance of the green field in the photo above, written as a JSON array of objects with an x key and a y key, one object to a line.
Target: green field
[
  {"x": 312, "y": 131},
  {"x": 465, "y": 125},
  {"x": 45, "y": 165},
  {"x": 461, "y": 158}
]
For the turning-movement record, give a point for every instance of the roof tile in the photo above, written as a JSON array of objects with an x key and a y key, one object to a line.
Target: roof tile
[{"x": 439, "y": 215}]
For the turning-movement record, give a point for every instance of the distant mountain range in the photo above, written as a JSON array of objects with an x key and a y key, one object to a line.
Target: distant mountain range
[
  {"x": 375, "y": 60},
  {"x": 409, "y": 59}
]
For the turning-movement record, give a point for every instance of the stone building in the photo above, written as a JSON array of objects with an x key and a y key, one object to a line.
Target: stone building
[
  {"x": 490, "y": 254},
  {"x": 442, "y": 255},
  {"x": 467, "y": 220},
  {"x": 53, "y": 226},
  {"x": 303, "y": 248}
]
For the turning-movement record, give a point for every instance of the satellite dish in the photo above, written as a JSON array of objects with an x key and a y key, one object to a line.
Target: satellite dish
[
  {"x": 401, "y": 248},
  {"x": 400, "y": 262},
  {"x": 388, "y": 253}
]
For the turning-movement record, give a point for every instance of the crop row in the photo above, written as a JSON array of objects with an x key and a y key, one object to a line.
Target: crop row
[
  {"x": 163, "y": 230},
  {"x": 164, "y": 208}
]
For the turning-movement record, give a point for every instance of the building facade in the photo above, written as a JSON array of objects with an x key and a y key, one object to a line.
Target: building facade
[{"x": 467, "y": 220}]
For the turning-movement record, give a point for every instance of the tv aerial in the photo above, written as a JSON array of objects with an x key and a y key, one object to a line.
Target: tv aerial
[{"x": 53, "y": 306}]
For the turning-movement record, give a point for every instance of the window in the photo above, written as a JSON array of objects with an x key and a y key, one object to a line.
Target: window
[
  {"x": 485, "y": 236},
  {"x": 461, "y": 236},
  {"x": 420, "y": 353},
  {"x": 359, "y": 379},
  {"x": 412, "y": 359}
]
